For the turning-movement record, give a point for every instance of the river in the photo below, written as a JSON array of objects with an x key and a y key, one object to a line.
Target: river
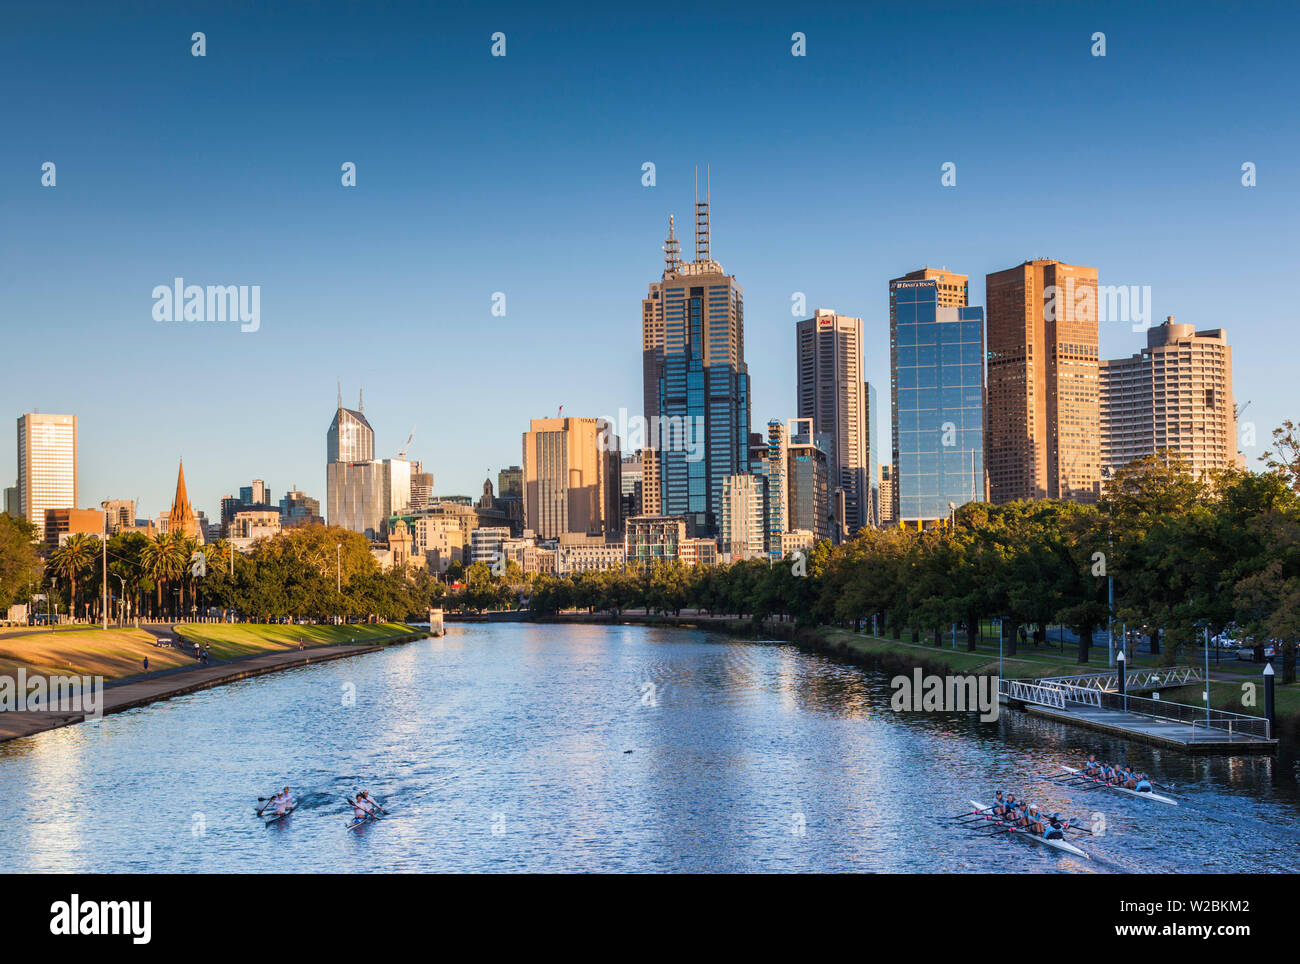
[{"x": 512, "y": 747}]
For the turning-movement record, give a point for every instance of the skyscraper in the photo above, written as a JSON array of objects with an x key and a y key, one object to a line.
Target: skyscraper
[
  {"x": 350, "y": 437},
  {"x": 1174, "y": 396},
  {"x": 936, "y": 354},
  {"x": 696, "y": 382},
  {"x": 360, "y": 492},
  {"x": 571, "y": 477},
  {"x": 47, "y": 465},
  {"x": 1044, "y": 426},
  {"x": 830, "y": 390}
]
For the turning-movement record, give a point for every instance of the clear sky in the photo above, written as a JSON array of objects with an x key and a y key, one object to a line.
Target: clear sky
[{"x": 522, "y": 175}]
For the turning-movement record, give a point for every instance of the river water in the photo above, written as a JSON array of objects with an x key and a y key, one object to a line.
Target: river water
[{"x": 514, "y": 747}]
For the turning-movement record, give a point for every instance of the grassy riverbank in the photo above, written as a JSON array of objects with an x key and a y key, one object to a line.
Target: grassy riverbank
[{"x": 115, "y": 653}]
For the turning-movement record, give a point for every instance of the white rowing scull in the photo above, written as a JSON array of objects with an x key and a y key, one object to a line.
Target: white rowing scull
[
  {"x": 987, "y": 814},
  {"x": 1141, "y": 795}
]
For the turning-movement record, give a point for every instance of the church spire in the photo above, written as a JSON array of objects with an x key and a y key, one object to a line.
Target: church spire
[{"x": 182, "y": 518}]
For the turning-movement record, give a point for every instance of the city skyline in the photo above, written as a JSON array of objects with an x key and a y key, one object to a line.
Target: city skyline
[{"x": 1135, "y": 219}]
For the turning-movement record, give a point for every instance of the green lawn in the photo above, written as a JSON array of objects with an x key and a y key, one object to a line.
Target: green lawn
[{"x": 240, "y": 639}]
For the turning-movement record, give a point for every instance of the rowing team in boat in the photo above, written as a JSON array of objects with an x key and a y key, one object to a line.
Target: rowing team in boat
[
  {"x": 1026, "y": 816},
  {"x": 282, "y": 803},
  {"x": 1124, "y": 776},
  {"x": 364, "y": 808}
]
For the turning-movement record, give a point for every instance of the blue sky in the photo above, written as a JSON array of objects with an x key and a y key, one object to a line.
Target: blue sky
[{"x": 522, "y": 175}]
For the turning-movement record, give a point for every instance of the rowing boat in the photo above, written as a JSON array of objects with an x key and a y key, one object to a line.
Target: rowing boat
[
  {"x": 1149, "y": 795},
  {"x": 354, "y": 822},
  {"x": 1069, "y": 848},
  {"x": 277, "y": 817}
]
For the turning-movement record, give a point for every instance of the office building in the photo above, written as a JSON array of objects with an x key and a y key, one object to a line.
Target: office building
[
  {"x": 299, "y": 509},
  {"x": 648, "y": 540},
  {"x": 485, "y": 544},
  {"x": 250, "y": 525},
  {"x": 831, "y": 391},
  {"x": 119, "y": 515},
  {"x": 571, "y": 477},
  {"x": 47, "y": 465},
  {"x": 61, "y": 523},
  {"x": 510, "y": 483},
  {"x": 11, "y": 504},
  {"x": 1043, "y": 416},
  {"x": 808, "y": 492},
  {"x": 936, "y": 353},
  {"x": 1175, "y": 396},
  {"x": 696, "y": 382},
  {"x": 421, "y": 488}
]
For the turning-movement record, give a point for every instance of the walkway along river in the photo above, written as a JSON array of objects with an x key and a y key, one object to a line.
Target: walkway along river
[{"x": 509, "y": 747}]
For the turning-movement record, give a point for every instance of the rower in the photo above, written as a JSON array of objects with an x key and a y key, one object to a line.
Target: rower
[
  {"x": 1054, "y": 830},
  {"x": 1034, "y": 820},
  {"x": 1130, "y": 778},
  {"x": 359, "y": 812},
  {"x": 1092, "y": 767},
  {"x": 1009, "y": 808},
  {"x": 999, "y": 805},
  {"x": 1143, "y": 785},
  {"x": 285, "y": 803}
]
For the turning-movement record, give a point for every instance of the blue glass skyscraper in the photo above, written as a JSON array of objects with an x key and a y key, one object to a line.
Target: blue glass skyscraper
[
  {"x": 936, "y": 345},
  {"x": 696, "y": 384}
]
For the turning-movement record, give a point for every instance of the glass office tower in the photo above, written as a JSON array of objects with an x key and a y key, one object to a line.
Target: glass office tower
[
  {"x": 937, "y": 352},
  {"x": 696, "y": 384}
]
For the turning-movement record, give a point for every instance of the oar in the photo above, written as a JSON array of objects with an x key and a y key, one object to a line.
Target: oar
[{"x": 265, "y": 805}]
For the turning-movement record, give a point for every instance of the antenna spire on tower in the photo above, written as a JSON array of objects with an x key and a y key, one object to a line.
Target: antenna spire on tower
[
  {"x": 361, "y": 400},
  {"x": 340, "y": 393},
  {"x": 702, "y": 216},
  {"x": 672, "y": 250}
]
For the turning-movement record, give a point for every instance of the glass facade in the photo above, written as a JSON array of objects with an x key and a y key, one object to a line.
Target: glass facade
[
  {"x": 703, "y": 398},
  {"x": 939, "y": 414}
]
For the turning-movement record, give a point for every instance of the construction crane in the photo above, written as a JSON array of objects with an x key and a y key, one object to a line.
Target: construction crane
[
  {"x": 401, "y": 453},
  {"x": 1240, "y": 409}
]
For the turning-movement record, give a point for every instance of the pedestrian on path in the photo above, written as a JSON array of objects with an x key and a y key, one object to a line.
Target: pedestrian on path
[{"x": 146, "y": 664}]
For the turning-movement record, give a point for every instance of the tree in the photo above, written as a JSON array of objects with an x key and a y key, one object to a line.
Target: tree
[
  {"x": 70, "y": 561},
  {"x": 20, "y": 563},
  {"x": 1284, "y": 456}
]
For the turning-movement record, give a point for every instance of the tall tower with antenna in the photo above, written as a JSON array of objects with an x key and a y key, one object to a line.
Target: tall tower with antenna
[{"x": 696, "y": 382}]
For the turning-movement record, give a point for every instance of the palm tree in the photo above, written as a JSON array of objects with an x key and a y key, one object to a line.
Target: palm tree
[
  {"x": 163, "y": 560},
  {"x": 70, "y": 560}
]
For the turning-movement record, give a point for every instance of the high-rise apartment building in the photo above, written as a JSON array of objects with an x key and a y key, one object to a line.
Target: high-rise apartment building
[
  {"x": 936, "y": 355},
  {"x": 696, "y": 382},
  {"x": 1044, "y": 423},
  {"x": 350, "y": 437},
  {"x": 886, "y": 494},
  {"x": 830, "y": 390},
  {"x": 361, "y": 493},
  {"x": 571, "y": 477},
  {"x": 119, "y": 514},
  {"x": 741, "y": 519},
  {"x": 47, "y": 465},
  {"x": 1174, "y": 396}
]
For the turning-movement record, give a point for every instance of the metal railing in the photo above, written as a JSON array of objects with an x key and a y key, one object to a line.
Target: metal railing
[
  {"x": 1049, "y": 692},
  {"x": 1134, "y": 680},
  {"x": 1224, "y": 721}
]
